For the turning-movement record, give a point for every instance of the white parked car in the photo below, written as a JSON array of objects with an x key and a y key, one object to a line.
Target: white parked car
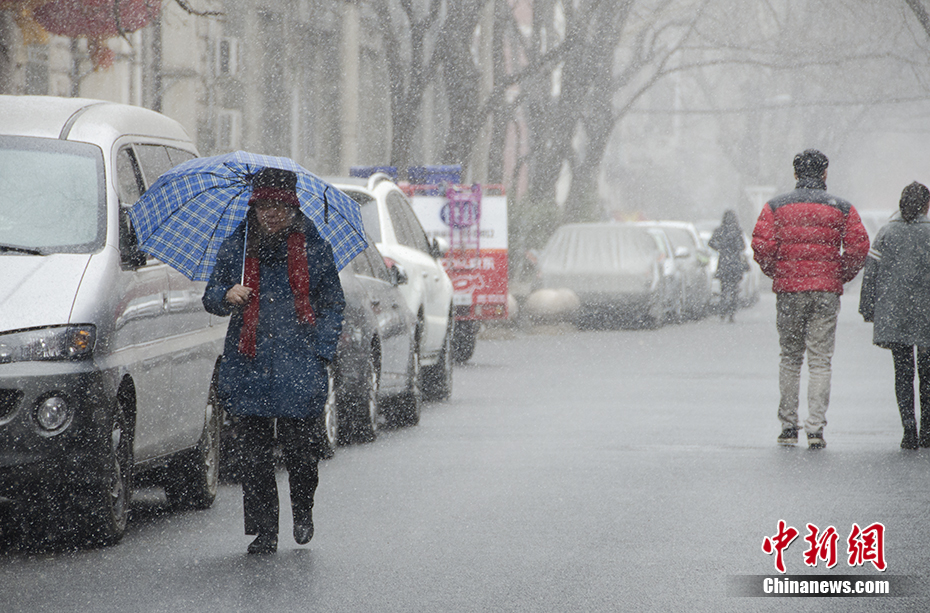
[{"x": 398, "y": 235}]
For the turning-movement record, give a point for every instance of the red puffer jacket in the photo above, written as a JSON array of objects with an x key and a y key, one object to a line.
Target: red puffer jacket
[{"x": 809, "y": 241}]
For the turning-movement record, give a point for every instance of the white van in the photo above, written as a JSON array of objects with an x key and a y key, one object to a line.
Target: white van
[{"x": 107, "y": 356}]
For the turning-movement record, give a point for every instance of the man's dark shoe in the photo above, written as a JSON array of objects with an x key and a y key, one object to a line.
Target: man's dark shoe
[
  {"x": 815, "y": 440},
  {"x": 303, "y": 532},
  {"x": 788, "y": 436},
  {"x": 910, "y": 440},
  {"x": 264, "y": 544}
]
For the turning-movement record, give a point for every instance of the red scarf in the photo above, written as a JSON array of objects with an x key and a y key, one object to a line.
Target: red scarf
[{"x": 298, "y": 276}]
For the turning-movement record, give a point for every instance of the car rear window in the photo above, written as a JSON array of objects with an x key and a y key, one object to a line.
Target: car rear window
[
  {"x": 52, "y": 195},
  {"x": 370, "y": 219},
  {"x": 680, "y": 237},
  {"x": 596, "y": 248}
]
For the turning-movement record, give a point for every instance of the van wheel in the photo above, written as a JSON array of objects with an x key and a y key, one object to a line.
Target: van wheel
[
  {"x": 194, "y": 478},
  {"x": 108, "y": 495}
]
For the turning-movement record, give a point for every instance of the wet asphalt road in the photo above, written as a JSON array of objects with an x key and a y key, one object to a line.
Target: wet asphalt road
[{"x": 625, "y": 470}]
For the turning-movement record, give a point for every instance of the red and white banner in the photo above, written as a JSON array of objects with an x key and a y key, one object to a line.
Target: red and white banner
[{"x": 477, "y": 259}]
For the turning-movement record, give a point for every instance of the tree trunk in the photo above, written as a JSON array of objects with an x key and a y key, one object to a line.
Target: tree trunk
[{"x": 7, "y": 34}]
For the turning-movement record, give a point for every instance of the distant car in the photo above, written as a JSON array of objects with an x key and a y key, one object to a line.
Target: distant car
[
  {"x": 376, "y": 352},
  {"x": 673, "y": 281},
  {"x": 398, "y": 235},
  {"x": 693, "y": 258},
  {"x": 616, "y": 270}
]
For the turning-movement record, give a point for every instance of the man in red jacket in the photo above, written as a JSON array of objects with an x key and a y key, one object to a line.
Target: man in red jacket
[{"x": 810, "y": 243}]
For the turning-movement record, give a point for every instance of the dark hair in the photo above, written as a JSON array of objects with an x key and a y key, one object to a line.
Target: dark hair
[
  {"x": 810, "y": 163},
  {"x": 914, "y": 201}
]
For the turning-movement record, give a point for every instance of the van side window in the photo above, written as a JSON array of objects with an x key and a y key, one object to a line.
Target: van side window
[
  {"x": 179, "y": 156},
  {"x": 128, "y": 178},
  {"x": 130, "y": 186},
  {"x": 154, "y": 161}
]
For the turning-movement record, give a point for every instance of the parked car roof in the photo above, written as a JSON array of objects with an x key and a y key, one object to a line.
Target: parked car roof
[{"x": 82, "y": 119}]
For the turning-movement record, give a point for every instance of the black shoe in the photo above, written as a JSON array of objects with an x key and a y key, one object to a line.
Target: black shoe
[
  {"x": 788, "y": 436},
  {"x": 303, "y": 532},
  {"x": 815, "y": 440},
  {"x": 910, "y": 440},
  {"x": 264, "y": 544}
]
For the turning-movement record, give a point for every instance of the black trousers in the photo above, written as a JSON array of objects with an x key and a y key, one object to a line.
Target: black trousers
[
  {"x": 904, "y": 385},
  {"x": 259, "y": 486},
  {"x": 729, "y": 295}
]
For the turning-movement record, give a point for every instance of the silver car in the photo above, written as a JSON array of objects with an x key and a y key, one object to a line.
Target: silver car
[
  {"x": 693, "y": 259},
  {"x": 616, "y": 270},
  {"x": 106, "y": 355}
]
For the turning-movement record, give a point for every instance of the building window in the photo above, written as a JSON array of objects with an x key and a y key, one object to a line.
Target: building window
[
  {"x": 228, "y": 127},
  {"x": 36, "y": 70},
  {"x": 227, "y": 56}
]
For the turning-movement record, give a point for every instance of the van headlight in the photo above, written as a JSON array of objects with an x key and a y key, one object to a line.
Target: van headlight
[{"x": 44, "y": 344}]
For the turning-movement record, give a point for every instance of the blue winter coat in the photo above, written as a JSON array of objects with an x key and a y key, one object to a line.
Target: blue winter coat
[{"x": 288, "y": 375}]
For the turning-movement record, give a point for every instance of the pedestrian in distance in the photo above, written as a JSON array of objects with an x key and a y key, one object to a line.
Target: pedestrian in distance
[
  {"x": 895, "y": 296},
  {"x": 727, "y": 240},
  {"x": 277, "y": 280},
  {"x": 810, "y": 243}
]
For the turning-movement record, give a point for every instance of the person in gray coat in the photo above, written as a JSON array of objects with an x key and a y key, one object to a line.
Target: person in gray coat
[{"x": 896, "y": 297}]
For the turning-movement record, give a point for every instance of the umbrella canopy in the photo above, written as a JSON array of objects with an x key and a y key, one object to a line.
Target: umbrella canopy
[{"x": 185, "y": 216}]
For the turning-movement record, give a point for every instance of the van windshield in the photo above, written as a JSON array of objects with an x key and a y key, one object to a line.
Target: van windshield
[{"x": 52, "y": 196}]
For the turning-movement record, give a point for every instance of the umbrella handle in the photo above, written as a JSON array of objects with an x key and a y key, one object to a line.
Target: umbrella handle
[{"x": 245, "y": 250}]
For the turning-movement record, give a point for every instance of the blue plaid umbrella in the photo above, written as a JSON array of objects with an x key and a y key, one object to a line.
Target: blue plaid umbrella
[{"x": 184, "y": 217}]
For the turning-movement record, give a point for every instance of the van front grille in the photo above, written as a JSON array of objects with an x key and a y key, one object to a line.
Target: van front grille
[{"x": 9, "y": 400}]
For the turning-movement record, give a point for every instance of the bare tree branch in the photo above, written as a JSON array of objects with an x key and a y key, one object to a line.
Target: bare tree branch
[
  {"x": 921, "y": 13},
  {"x": 186, "y": 6}
]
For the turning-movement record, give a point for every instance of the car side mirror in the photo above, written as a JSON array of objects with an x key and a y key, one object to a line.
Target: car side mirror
[
  {"x": 682, "y": 252},
  {"x": 439, "y": 247},
  {"x": 398, "y": 274},
  {"x": 130, "y": 255}
]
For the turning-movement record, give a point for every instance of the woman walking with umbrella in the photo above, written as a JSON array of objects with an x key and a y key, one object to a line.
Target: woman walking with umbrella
[
  {"x": 277, "y": 279},
  {"x": 728, "y": 241}
]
